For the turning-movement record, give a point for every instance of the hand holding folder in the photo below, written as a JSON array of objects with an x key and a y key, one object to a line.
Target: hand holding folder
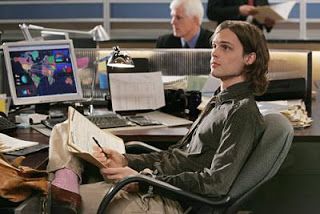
[
  {"x": 276, "y": 12},
  {"x": 83, "y": 135}
]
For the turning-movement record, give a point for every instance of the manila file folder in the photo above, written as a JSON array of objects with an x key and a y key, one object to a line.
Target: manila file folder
[
  {"x": 82, "y": 133},
  {"x": 277, "y": 12}
]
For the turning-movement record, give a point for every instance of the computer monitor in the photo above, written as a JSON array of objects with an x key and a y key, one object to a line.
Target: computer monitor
[{"x": 42, "y": 71}]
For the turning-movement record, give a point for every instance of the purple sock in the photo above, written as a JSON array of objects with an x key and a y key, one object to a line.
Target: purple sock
[{"x": 66, "y": 179}]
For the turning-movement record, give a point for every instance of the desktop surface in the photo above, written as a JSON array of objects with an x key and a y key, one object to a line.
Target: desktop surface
[
  {"x": 36, "y": 160},
  {"x": 161, "y": 137}
]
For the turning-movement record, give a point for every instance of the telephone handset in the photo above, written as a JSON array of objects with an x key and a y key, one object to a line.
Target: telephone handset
[{"x": 5, "y": 123}]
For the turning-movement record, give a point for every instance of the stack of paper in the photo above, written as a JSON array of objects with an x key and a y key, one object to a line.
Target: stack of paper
[
  {"x": 294, "y": 110},
  {"x": 298, "y": 116}
]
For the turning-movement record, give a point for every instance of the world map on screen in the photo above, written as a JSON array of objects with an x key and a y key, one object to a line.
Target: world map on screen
[{"x": 42, "y": 72}]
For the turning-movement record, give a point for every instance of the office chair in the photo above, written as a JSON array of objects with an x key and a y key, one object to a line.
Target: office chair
[{"x": 263, "y": 163}]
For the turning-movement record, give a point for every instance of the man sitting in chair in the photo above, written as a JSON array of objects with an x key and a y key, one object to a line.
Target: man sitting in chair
[
  {"x": 206, "y": 161},
  {"x": 186, "y": 19}
]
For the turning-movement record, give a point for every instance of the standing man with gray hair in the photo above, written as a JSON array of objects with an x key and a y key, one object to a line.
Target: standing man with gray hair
[{"x": 186, "y": 19}]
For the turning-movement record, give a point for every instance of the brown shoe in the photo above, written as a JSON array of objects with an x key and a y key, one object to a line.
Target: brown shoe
[{"x": 64, "y": 201}]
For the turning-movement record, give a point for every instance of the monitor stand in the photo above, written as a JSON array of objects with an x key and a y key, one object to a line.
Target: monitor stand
[
  {"x": 43, "y": 108},
  {"x": 52, "y": 109},
  {"x": 59, "y": 109}
]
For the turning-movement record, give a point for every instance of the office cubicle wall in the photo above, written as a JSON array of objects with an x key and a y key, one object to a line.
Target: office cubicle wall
[
  {"x": 172, "y": 61},
  {"x": 193, "y": 63},
  {"x": 283, "y": 63}
]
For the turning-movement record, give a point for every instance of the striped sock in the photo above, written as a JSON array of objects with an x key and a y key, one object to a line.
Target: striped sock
[{"x": 66, "y": 179}]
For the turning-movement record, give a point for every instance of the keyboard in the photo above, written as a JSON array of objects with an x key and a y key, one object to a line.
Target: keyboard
[
  {"x": 5, "y": 124},
  {"x": 109, "y": 121},
  {"x": 102, "y": 121}
]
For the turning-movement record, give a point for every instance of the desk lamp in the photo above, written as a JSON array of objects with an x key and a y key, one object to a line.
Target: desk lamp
[
  {"x": 98, "y": 33},
  {"x": 117, "y": 59}
]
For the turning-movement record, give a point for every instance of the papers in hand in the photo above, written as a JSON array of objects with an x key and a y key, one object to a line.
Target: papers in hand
[
  {"x": 82, "y": 133},
  {"x": 277, "y": 12},
  {"x": 9, "y": 144}
]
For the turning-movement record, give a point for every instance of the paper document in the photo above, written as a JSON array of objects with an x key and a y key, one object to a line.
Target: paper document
[
  {"x": 277, "y": 12},
  {"x": 297, "y": 114},
  {"x": 82, "y": 133},
  {"x": 136, "y": 91},
  {"x": 9, "y": 144},
  {"x": 267, "y": 107}
]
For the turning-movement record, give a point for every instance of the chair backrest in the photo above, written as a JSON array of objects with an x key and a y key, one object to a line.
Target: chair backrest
[{"x": 264, "y": 161}]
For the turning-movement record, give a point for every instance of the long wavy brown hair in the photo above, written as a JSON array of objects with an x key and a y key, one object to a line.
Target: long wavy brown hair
[{"x": 253, "y": 41}]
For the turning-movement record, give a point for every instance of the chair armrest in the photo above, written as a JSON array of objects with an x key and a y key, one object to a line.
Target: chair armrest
[
  {"x": 161, "y": 186},
  {"x": 141, "y": 145}
]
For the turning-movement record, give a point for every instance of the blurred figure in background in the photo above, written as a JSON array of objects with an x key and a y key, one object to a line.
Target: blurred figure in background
[{"x": 221, "y": 10}]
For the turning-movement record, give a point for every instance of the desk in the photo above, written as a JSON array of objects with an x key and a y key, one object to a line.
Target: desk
[{"x": 160, "y": 137}]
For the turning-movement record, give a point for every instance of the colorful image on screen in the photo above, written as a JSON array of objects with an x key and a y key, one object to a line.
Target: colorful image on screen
[{"x": 42, "y": 72}]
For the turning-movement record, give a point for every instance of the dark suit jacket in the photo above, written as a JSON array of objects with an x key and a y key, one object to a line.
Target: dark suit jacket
[
  {"x": 170, "y": 41},
  {"x": 221, "y": 10}
]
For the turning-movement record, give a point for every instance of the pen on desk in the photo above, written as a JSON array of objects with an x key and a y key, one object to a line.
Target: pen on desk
[{"x": 96, "y": 141}]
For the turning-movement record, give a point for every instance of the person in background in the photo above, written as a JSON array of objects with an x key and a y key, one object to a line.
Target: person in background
[
  {"x": 206, "y": 161},
  {"x": 221, "y": 10},
  {"x": 186, "y": 19}
]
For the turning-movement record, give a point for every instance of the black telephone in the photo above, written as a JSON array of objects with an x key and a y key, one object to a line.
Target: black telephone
[{"x": 5, "y": 124}]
